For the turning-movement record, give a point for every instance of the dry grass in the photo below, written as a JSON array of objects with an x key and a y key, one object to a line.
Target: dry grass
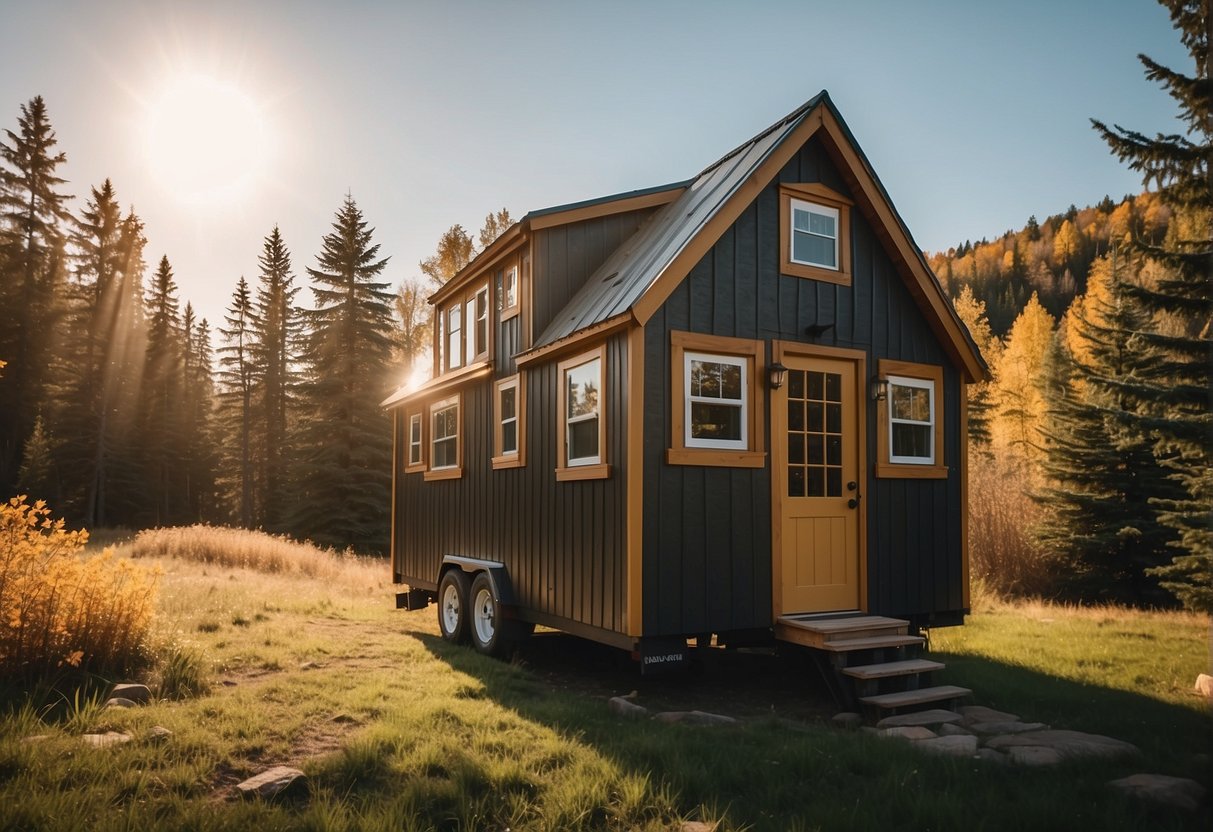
[
  {"x": 1005, "y": 561},
  {"x": 60, "y": 610},
  {"x": 260, "y": 552}
]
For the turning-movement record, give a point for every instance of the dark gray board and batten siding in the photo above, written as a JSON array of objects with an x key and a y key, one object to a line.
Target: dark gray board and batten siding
[{"x": 706, "y": 531}]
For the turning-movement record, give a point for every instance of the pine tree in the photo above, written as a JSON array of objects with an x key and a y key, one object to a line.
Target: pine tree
[
  {"x": 160, "y": 423},
  {"x": 1101, "y": 529},
  {"x": 1020, "y": 378},
  {"x": 345, "y": 467},
  {"x": 1181, "y": 328},
  {"x": 196, "y": 479},
  {"x": 236, "y": 398},
  {"x": 973, "y": 313},
  {"x": 32, "y": 268},
  {"x": 276, "y": 328}
]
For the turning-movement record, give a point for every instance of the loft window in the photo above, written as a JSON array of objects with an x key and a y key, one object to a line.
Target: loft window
[
  {"x": 454, "y": 334},
  {"x": 815, "y": 233},
  {"x": 582, "y": 448},
  {"x": 910, "y": 413},
  {"x": 478, "y": 324},
  {"x": 509, "y": 410},
  {"x": 715, "y": 401},
  {"x": 509, "y": 291}
]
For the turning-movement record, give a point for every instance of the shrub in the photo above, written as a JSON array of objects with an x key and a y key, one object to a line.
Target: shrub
[
  {"x": 1004, "y": 559},
  {"x": 58, "y": 610}
]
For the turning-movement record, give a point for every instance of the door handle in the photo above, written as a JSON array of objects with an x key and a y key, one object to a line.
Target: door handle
[
  {"x": 852, "y": 503},
  {"x": 852, "y": 485}
]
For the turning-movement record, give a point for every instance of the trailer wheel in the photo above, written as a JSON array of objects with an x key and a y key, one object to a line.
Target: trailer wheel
[
  {"x": 491, "y": 634},
  {"x": 453, "y": 605}
]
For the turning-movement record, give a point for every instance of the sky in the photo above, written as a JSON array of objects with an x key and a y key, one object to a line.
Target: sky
[{"x": 218, "y": 120}]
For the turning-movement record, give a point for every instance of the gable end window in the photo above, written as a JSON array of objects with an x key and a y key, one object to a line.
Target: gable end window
[
  {"x": 508, "y": 292},
  {"x": 509, "y": 423},
  {"x": 581, "y": 448},
  {"x": 446, "y": 450},
  {"x": 910, "y": 432},
  {"x": 815, "y": 233},
  {"x": 717, "y": 416}
]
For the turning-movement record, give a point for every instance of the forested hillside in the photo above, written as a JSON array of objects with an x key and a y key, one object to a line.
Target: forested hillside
[{"x": 121, "y": 408}]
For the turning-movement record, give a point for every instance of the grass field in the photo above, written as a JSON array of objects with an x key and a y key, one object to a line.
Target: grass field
[{"x": 398, "y": 730}]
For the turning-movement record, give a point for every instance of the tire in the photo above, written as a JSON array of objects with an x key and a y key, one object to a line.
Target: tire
[
  {"x": 487, "y": 626},
  {"x": 453, "y": 605}
]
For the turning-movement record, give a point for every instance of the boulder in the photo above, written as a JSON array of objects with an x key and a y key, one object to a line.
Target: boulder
[
  {"x": 695, "y": 718},
  {"x": 138, "y": 694},
  {"x": 991, "y": 756},
  {"x": 1069, "y": 744},
  {"x": 624, "y": 707},
  {"x": 1172, "y": 791},
  {"x": 1007, "y": 727},
  {"x": 271, "y": 783},
  {"x": 119, "y": 702},
  {"x": 908, "y": 732},
  {"x": 1032, "y": 755},
  {"x": 847, "y": 719},
  {"x": 980, "y": 713},
  {"x": 158, "y": 733},
  {"x": 936, "y": 716},
  {"x": 697, "y": 826},
  {"x": 958, "y": 745},
  {"x": 952, "y": 729},
  {"x": 105, "y": 740},
  {"x": 1204, "y": 685}
]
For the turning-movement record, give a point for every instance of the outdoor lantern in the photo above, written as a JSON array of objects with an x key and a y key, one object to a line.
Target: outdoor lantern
[
  {"x": 777, "y": 374},
  {"x": 880, "y": 389}
]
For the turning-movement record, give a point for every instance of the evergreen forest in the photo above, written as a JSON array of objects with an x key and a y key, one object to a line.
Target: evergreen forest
[{"x": 120, "y": 407}]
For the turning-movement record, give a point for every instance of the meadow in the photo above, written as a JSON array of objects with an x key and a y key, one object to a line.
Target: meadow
[{"x": 268, "y": 659}]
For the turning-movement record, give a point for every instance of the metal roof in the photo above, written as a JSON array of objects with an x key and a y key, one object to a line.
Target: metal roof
[{"x": 625, "y": 276}]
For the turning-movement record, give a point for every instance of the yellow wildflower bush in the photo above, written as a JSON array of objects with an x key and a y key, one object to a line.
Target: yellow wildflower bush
[{"x": 59, "y": 609}]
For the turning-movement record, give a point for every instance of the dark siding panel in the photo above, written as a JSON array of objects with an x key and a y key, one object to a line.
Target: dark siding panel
[{"x": 563, "y": 543}]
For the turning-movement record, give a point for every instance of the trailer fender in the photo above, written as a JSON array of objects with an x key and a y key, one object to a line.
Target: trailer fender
[{"x": 498, "y": 576}]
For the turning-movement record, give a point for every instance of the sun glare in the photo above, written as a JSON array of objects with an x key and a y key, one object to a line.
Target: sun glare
[{"x": 206, "y": 139}]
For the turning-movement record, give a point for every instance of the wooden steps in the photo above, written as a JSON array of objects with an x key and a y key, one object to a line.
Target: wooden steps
[
  {"x": 869, "y": 661},
  {"x": 922, "y": 696}
]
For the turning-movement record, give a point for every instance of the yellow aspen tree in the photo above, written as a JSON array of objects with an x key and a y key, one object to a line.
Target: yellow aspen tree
[{"x": 1020, "y": 376}]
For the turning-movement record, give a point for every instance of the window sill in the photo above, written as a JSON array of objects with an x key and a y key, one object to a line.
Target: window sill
[
  {"x": 414, "y": 469},
  {"x": 511, "y": 461},
  {"x": 444, "y": 474},
  {"x": 511, "y": 312},
  {"x": 887, "y": 470},
  {"x": 599, "y": 471},
  {"x": 842, "y": 278},
  {"x": 719, "y": 457}
]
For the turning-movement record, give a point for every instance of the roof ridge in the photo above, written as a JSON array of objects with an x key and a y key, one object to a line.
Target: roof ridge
[{"x": 799, "y": 112}]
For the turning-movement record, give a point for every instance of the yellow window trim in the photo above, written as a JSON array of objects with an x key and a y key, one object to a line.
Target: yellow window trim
[
  {"x": 456, "y": 471},
  {"x": 594, "y": 470},
  {"x": 820, "y": 195},
  {"x": 409, "y": 466},
  {"x": 754, "y": 456},
  {"x": 909, "y": 470},
  {"x": 518, "y": 458}
]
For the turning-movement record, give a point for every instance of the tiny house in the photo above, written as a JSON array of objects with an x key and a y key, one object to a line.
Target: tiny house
[{"x": 720, "y": 407}]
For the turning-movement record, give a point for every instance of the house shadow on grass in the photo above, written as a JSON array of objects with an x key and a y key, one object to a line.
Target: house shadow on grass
[{"x": 787, "y": 762}]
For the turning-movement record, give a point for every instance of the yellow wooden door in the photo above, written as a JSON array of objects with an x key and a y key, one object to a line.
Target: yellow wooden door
[{"x": 815, "y": 456}]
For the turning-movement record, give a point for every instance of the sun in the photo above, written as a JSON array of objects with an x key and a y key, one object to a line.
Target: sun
[{"x": 206, "y": 140}]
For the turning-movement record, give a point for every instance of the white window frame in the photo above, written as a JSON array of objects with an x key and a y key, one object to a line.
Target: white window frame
[
  {"x": 596, "y": 416},
  {"x": 823, "y": 210},
  {"x": 454, "y": 336},
  {"x": 920, "y": 384},
  {"x": 416, "y": 452},
  {"x": 441, "y": 407},
  {"x": 509, "y": 291},
  {"x": 742, "y": 404},
  {"x": 477, "y": 317}
]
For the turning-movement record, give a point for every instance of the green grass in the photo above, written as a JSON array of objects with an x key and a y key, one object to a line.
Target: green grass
[{"x": 398, "y": 730}]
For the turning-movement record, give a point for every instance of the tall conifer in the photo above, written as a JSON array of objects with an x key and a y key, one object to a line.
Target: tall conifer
[{"x": 344, "y": 472}]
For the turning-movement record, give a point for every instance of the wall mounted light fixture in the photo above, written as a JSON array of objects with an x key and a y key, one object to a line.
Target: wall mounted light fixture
[
  {"x": 777, "y": 374},
  {"x": 880, "y": 389}
]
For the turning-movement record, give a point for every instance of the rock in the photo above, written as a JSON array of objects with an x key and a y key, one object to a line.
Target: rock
[
  {"x": 307, "y": 665},
  {"x": 623, "y": 707},
  {"x": 952, "y": 729},
  {"x": 1032, "y": 755},
  {"x": 697, "y": 826},
  {"x": 908, "y": 732},
  {"x": 273, "y": 782},
  {"x": 35, "y": 738},
  {"x": 158, "y": 733},
  {"x": 119, "y": 702},
  {"x": 138, "y": 694},
  {"x": 1068, "y": 744},
  {"x": 847, "y": 719},
  {"x": 959, "y": 745},
  {"x": 937, "y": 716},
  {"x": 1007, "y": 727},
  {"x": 1172, "y": 791},
  {"x": 989, "y": 755},
  {"x": 980, "y": 713},
  {"x": 1204, "y": 685},
  {"x": 694, "y": 718},
  {"x": 105, "y": 740}
]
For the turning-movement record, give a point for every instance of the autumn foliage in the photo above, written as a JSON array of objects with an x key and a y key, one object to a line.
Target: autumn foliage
[{"x": 60, "y": 610}]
